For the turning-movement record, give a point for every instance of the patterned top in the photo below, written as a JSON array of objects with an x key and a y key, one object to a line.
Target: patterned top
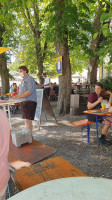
[{"x": 28, "y": 84}]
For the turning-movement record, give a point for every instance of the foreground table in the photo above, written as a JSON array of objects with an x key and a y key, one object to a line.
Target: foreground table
[{"x": 78, "y": 188}]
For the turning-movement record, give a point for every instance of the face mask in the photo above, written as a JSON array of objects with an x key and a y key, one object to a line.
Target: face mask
[{"x": 21, "y": 74}]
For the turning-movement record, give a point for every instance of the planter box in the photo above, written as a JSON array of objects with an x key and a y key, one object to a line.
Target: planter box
[{"x": 74, "y": 101}]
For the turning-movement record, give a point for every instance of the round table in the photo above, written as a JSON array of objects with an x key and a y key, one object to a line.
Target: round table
[{"x": 74, "y": 188}]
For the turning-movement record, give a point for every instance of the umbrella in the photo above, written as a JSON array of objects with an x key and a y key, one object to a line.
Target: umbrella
[{"x": 3, "y": 49}]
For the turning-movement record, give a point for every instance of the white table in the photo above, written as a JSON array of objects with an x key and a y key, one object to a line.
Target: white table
[
  {"x": 74, "y": 188},
  {"x": 6, "y": 107}
]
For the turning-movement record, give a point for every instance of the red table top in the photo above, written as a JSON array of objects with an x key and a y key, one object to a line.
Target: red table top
[{"x": 98, "y": 112}]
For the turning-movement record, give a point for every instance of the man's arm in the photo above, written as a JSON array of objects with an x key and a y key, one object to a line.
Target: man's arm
[
  {"x": 48, "y": 84},
  {"x": 25, "y": 94}
]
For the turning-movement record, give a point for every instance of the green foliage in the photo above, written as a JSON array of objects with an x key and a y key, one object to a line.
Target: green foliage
[
  {"x": 105, "y": 17},
  {"x": 77, "y": 19},
  {"x": 7, "y": 21},
  {"x": 79, "y": 60},
  {"x": 28, "y": 58},
  {"x": 107, "y": 83},
  {"x": 105, "y": 30},
  {"x": 30, "y": 23},
  {"x": 14, "y": 66},
  {"x": 106, "y": 47}
]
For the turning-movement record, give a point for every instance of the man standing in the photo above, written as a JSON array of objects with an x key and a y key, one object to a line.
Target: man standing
[
  {"x": 46, "y": 84},
  {"x": 27, "y": 90}
]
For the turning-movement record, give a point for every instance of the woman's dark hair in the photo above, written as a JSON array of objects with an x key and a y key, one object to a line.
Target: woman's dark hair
[
  {"x": 24, "y": 68},
  {"x": 100, "y": 85}
]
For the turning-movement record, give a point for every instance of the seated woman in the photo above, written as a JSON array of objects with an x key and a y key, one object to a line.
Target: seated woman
[{"x": 94, "y": 102}]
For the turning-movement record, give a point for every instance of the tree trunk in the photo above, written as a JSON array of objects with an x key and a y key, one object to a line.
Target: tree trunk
[
  {"x": 95, "y": 44},
  {"x": 4, "y": 74},
  {"x": 63, "y": 104},
  {"x": 93, "y": 69},
  {"x": 40, "y": 61},
  {"x": 3, "y": 61}
]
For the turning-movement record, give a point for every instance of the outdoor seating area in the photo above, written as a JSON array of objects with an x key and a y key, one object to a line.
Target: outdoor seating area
[
  {"x": 55, "y": 100},
  {"x": 63, "y": 160},
  {"x": 34, "y": 162}
]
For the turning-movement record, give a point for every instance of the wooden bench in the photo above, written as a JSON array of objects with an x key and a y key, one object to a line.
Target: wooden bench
[
  {"x": 84, "y": 124},
  {"x": 46, "y": 170}
]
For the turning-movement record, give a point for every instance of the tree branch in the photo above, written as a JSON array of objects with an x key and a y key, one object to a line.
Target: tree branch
[
  {"x": 36, "y": 13},
  {"x": 29, "y": 19}
]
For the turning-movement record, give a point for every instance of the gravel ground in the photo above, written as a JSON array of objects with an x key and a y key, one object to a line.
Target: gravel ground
[{"x": 94, "y": 160}]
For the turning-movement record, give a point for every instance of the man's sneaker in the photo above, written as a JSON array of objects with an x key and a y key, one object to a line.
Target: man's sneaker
[{"x": 103, "y": 141}]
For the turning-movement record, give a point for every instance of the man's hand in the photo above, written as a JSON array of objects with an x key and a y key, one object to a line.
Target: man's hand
[{"x": 14, "y": 97}]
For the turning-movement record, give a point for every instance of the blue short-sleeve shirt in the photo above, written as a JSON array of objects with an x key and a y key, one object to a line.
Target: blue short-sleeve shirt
[{"x": 28, "y": 84}]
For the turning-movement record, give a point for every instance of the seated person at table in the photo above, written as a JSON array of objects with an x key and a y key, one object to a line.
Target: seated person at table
[
  {"x": 14, "y": 86},
  {"x": 15, "y": 106},
  {"x": 4, "y": 148},
  {"x": 94, "y": 102},
  {"x": 52, "y": 93}
]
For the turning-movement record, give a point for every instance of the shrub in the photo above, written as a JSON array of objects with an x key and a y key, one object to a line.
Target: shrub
[{"x": 107, "y": 83}]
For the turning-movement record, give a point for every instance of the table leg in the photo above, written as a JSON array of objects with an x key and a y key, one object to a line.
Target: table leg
[
  {"x": 4, "y": 109},
  {"x": 97, "y": 129},
  {"x": 88, "y": 131},
  {"x": 9, "y": 114},
  {"x": 82, "y": 132},
  {"x": 9, "y": 117}
]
